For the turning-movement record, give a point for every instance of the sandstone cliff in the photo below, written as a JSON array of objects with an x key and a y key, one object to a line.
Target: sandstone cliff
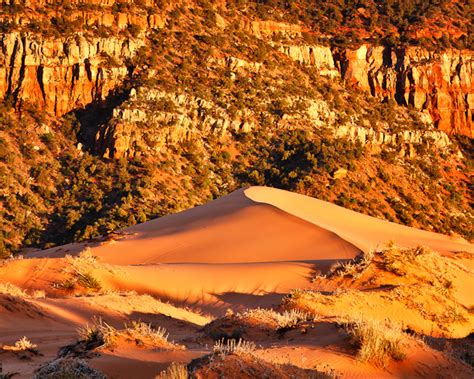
[
  {"x": 442, "y": 83},
  {"x": 62, "y": 75}
]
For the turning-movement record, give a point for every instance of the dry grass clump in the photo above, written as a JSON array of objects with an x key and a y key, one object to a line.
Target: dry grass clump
[
  {"x": 84, "y": 259},
  {"x": 268, "y": 318},
  {"x": 79, "y": 269},
  {"x": 12, "y": 290},
  {"x": 376, "y": 340},
  {"x": 353, "y": 268},
  {"x": 137, "y": 331},
  {"x": 98, "y": 331},
  {"x": 258, "y": 323},
  {"x": 63, "y": 368},
  {"x": 23, "y": 344},
  {"x": 174, "y": 371},
  {"x": 232, "y": 346},
  {"x": 141, "y": 331}
]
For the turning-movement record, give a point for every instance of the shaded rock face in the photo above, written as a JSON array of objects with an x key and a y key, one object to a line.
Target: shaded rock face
[{"x": 59, "y": 75}]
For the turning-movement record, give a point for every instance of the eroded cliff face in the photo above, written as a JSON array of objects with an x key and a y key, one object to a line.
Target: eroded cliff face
[
  {"x": 441, "y": 83},
  {"x": 62, "y": 75},
  {"x": 152, "y": 120}
]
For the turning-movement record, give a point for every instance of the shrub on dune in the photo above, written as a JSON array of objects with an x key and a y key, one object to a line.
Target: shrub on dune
[
  {"x": 141, "y": 333},
  {"x": 23, "y": 344},
  {"x": 12, "y": 290},
  {"x": 63, "y": 368},
  {"x": 174, "y": 371},
  {"x": 239, "y": 347},
  {"x": 376, "y": 340}
]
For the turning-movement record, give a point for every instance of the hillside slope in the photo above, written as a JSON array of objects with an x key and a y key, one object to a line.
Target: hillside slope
[{"x": 115, "y": 113}]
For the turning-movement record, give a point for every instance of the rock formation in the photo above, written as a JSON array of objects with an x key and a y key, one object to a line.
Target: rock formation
[
  {"x": 61, "y": 75},
  {"x": 442, "y": 83},
  {"x": 150, "y": 120}
]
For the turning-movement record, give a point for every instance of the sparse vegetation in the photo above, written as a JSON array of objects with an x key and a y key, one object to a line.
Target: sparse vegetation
[
  {"x": 138, "y": 332},
  {"x": 231, "y": 346},
  {"x": 376, "y": 341},
  {"x": 67, "y": 368},
  {"x": 23, "y": 344},
  {"x": 288, "y": 319},
  {"x": 417, "y": 280},
  {"x": 174, "y": 371},
  {"x": 12, "y": 290}
]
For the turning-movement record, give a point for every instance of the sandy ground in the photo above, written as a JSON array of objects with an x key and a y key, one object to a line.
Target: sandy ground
[{"x": 246, "y": 250}]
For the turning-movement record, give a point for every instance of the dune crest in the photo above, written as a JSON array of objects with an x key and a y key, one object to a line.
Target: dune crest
[{"x": 365, "y": 232}]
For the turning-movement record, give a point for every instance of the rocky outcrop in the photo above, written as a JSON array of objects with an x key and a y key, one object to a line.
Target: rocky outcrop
[
  {"x": 91, "y": 18},
  {"x": 235, "y": 64},
  {"x": 369, "y": 136},
  {"x": 152, "y": 119},
  {"x": 442, "y": 83},
  {"x": 269, "y": 28},
  {"x": 319, "y": 57},
  {"x": 62, "y": 75}
]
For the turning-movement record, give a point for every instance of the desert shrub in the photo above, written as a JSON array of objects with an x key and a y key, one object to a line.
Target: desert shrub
[
  {"x": 139, "y": 330},
  {"x": 23, "y": 344},
  {"x": 98, "y": 331},
  {"x": 232, "y": 346},
  {"x": 376, "y": 340},
  {"x": 12, "y": 290},
  {"x": 288, "y": 319},
  {"x": 174, "y": 371},
  {"x": 63, "y": 368},
  {"x": 87, "y": 280},
  {"x": 79, "y": 272},
  {"x": 353, "y": 268},
  {"x": 107, "y": 335}
]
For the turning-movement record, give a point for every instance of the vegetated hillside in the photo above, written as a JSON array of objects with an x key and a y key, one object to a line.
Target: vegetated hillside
[{"x": 154, "y": 108}]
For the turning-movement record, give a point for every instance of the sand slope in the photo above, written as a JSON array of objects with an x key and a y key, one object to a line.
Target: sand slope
[
  {"x": 258, "y": 225},
  {"x": 232, "y": 229},
  {"x": 258, "y": 241},
  {"x": 361, "y": 230}
]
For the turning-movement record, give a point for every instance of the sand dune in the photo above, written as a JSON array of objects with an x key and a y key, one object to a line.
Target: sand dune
[
  {"x": 232, "y": 229},
  {"x": 258, "y": 225},
  {"x": 245, "y": 250},
  {"x": 259, "y": 241}
]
